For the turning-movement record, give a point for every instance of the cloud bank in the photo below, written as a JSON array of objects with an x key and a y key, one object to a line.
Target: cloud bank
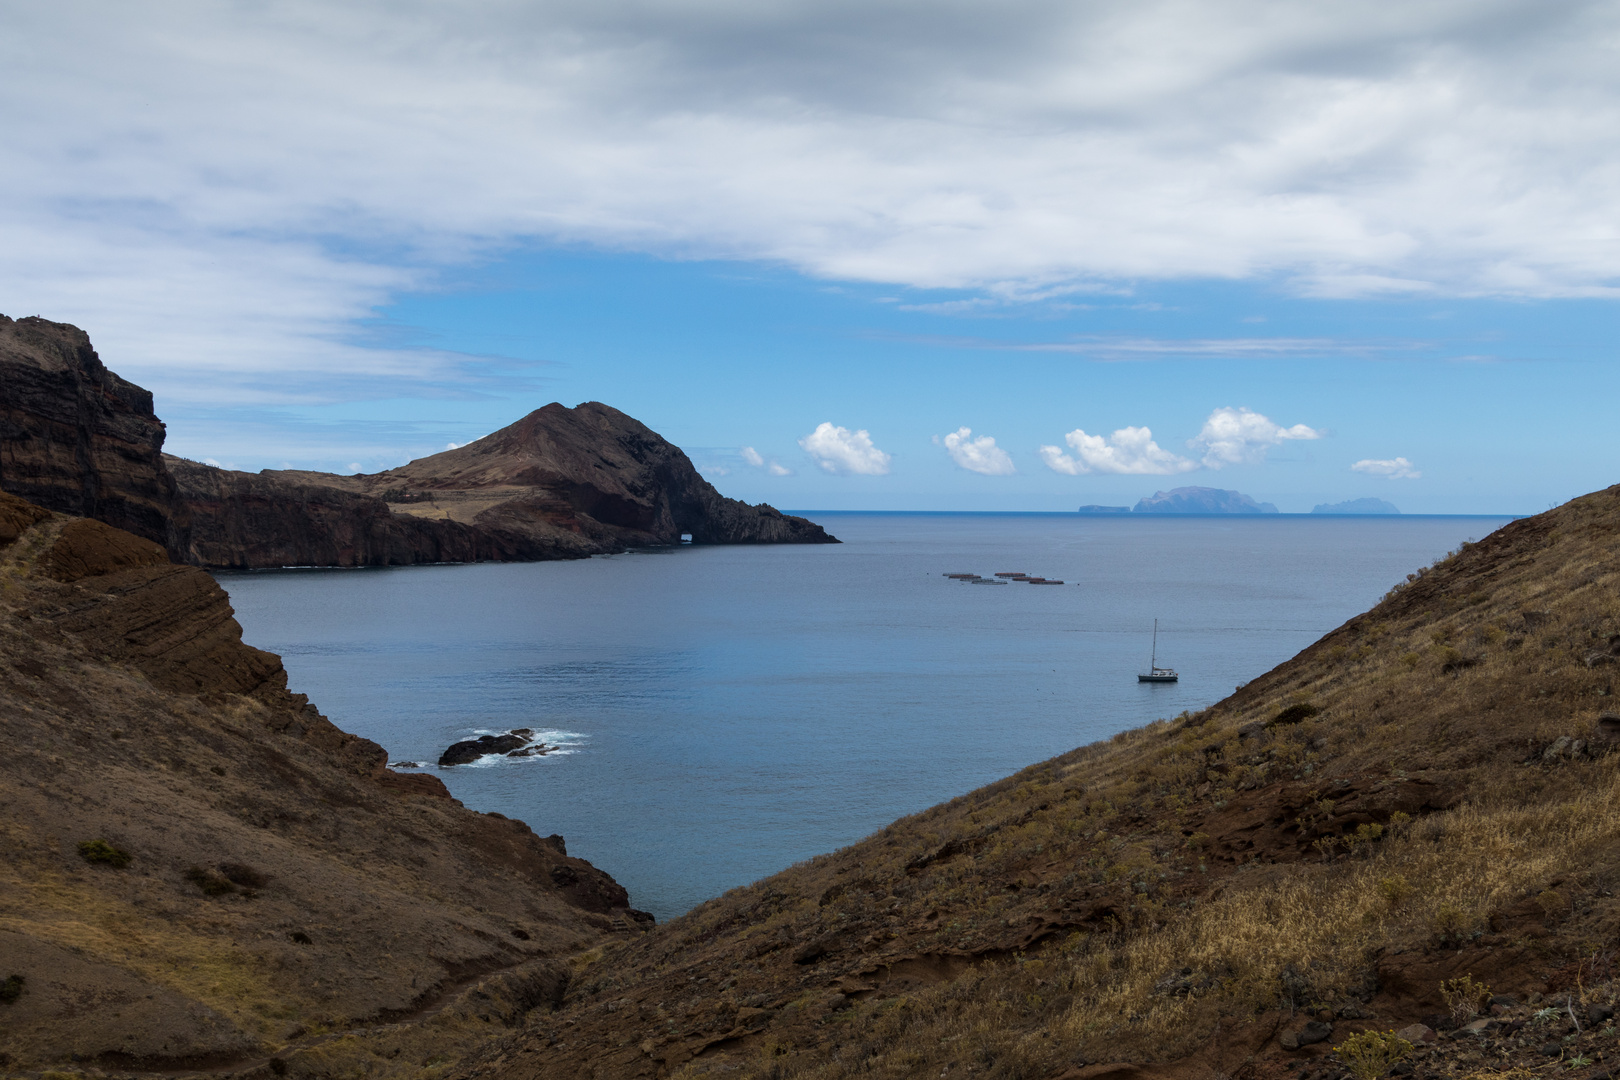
[
  {"x": 980, "y": 455},
  {"x": 227, "y": 187},
  {"x": 1393, "y": 468},
  {"x": 843, "y": 452},
  {"x": 1242, "y": 437},
  {"x": 1128, "y": 451}
]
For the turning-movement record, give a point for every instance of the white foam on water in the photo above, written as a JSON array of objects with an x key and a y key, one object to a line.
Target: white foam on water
[{"x": 562, "y": 744}]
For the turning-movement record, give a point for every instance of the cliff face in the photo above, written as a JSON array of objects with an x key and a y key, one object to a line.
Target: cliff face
[
  {"x": 76, "y": 438},
  {"x": 261, "y": 875},
  {"x": 560, "y": 483},
  {"x": 244, "y": 520}
]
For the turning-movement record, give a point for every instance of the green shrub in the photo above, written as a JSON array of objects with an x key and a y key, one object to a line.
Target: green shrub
[
  {"x": 1370, "y": 1054},
  {"x": 99, "y": 851},
  {"x": 1464, "y": 997},
  {"x": 12, "y": 988}
]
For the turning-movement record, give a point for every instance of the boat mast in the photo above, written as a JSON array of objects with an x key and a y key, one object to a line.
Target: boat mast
[{"x": 1153, "y": 661}]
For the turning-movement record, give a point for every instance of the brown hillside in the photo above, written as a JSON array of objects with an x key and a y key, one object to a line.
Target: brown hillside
[
  {"x": 1425, "y": 793},
  {"x": 560, "y": 483},
  {"x": 197, "y": 868}
]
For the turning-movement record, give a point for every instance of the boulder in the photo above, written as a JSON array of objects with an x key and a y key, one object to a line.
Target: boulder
[{"x": 470, "y": 750}]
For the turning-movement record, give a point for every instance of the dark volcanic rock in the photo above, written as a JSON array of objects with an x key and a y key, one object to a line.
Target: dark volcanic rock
[
  {"x": 76, "y": 438},
  {"x": 470, "y": 750},
  {"x": 246, "y": 520}
]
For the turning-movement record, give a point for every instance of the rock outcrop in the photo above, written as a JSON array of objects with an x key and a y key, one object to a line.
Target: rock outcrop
[
  {"x": 197, "y": 867},
  {"x": 560, "y": 483},
  {"x": 76, "y": 438}
]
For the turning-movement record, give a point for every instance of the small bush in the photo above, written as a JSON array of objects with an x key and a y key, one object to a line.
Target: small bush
[
  {"x": 1293, "y": 715},
  {"x": 1394, "y": 890},
  {"x": 1464, "y": 997},
  {"x": 1370, "y": 1054},
  {"x": 209, "y": 882},
  {"x": 99, "y": 851},
  {"x": 12, "y": 988}
]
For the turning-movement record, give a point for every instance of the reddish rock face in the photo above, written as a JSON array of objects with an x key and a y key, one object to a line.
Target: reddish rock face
[{"x": 76, "y": 438}]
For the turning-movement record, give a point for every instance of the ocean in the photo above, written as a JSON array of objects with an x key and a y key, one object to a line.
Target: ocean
[{"x": 722, "y": 712}]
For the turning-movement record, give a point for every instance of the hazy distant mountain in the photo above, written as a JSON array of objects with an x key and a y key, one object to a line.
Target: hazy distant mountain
[
  {"x": 1093, "y": 508},
  {"x": 1357, "y": 506},
  {"x": 1201, "y": 500}
]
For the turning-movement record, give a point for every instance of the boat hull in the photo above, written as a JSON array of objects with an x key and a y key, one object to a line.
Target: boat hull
[{"x": 1158, "y": 678}]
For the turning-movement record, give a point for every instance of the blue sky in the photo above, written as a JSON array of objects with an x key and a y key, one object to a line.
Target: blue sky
[{"x": 1311, "y": 253}]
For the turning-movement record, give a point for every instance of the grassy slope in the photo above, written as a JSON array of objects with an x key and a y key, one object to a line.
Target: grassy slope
[
  {"x": 1179, "y": 893},
  {"x": 132, "y": 713}
]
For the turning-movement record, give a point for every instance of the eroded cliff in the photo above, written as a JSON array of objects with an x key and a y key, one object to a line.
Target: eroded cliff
[{"x": 76, "y": 438}]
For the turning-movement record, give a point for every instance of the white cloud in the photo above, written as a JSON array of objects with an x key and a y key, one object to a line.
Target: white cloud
[
  {"x": 753, "y": 457},
  {"x": 844, "y": 452},
  {"x": 1130, "y": 451},
  {"x": 222, "y": 190},
  {"x": 453, "y": 445},
  {"x": 1393, "y": 468},
  {"x": 1242, "y": 437},
  {"x": 776, "y": 469},
  {"x": 354, "y": 467},
  {"x": 980, "y": 455}
]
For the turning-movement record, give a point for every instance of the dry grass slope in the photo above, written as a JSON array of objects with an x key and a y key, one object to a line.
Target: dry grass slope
[{"x": 1425, "y": 792}]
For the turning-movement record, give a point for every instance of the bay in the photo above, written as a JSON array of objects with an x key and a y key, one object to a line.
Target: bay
[{"x": 726, "y": 711}]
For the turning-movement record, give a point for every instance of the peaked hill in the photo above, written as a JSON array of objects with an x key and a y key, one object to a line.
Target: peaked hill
[
  {"x": 560, "y": 483},
  {"x": 1429, "y": 792}
]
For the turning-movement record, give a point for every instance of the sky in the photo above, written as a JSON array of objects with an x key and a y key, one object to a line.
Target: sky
[{"x": 875, "y": 255}]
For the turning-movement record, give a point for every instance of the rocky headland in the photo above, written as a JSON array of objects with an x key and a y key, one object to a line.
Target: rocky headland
[{"x": 560, "y": 483}]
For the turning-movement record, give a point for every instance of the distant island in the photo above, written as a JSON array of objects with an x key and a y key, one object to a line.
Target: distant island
[
  {"x": 1357, "y": 506},
  {"x": 1201, "y": 500},
  {"x": 1093, "y": 508}
]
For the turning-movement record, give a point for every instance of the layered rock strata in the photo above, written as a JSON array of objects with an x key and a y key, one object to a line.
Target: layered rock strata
[{"x": 76, "y": 438}]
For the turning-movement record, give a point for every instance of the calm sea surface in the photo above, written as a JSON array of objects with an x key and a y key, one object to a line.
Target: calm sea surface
[{"x": 726, "y": 712}]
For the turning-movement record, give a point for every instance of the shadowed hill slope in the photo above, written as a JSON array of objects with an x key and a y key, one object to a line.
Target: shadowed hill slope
[
  {"x": 1427, "y": 792},
  {"x": 196, "y": 866}
]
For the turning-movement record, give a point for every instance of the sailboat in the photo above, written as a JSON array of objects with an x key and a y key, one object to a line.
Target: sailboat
[{"x": 1156, "y": 673}]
